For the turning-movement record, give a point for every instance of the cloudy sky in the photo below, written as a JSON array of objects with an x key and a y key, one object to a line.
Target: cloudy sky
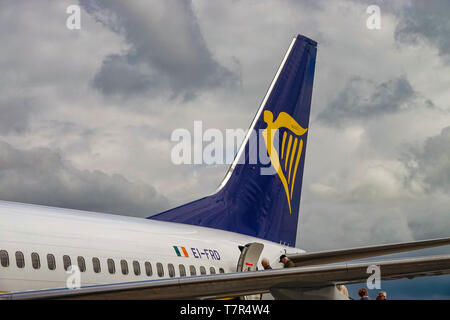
[{"x": 86, "y": 115}]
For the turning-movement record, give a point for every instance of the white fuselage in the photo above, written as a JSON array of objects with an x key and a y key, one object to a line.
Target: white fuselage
[{"x": 29, "y": 229}]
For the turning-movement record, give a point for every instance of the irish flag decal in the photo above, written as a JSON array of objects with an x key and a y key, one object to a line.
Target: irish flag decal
[{"x": 181, "y": 251}]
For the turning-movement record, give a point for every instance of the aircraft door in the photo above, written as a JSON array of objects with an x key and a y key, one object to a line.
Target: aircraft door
[
  {"x": 248, "y": 261},
  {"x": 249, "y": 257}
]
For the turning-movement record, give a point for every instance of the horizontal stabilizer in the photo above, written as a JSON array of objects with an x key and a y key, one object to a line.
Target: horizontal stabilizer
[{"x": 325, "y": 257}]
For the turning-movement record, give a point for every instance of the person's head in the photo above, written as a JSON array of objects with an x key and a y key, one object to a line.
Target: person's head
[
  {"x": 381, "y": 295},
  {"x": 283, "y": 258},
  {"x": 363, "y": 292},
  {"x": 265, "y": 262}
]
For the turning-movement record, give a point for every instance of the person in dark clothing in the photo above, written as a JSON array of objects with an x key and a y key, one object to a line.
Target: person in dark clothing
[
  {"x": 381, "y": 295},
  {"x": 286, "y": 261}
]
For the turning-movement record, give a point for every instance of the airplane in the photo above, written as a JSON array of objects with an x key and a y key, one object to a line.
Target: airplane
[{"x": 210, "y": 248}]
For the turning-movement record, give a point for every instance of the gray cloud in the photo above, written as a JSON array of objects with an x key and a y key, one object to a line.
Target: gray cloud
[
  {"x": 43, "y": 176},
  {"x": 361, "y": 99},
  {"x": 425, "y": 21},
  {"x": 15, "y": 114},
  {"x": 167, "y": 50},
  {"x": 431, "y": 163},
  {"x": 119, "y": 75}
]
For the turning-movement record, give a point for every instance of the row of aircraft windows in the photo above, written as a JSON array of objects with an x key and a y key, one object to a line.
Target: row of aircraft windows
[{"x": 51, "y": 264}]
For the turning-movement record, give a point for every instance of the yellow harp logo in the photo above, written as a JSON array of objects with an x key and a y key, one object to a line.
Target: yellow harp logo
[{"x": 290, "y": 150}]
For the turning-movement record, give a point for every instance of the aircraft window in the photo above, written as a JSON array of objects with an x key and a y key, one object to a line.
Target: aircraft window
[
  {"x": 51, "y": 262},
  {"x": 81, "y": 264},
  {"x": 67, "y": 263},
  {"x": 137, "y": 268},
  {"x": 171, "y": 270},
  {"x": 148, "y": 269},
  {"x": 96, "y": 265},
  {"x": 111, "y": 266},
  {"x": 202, "y": 270},
  {"x": 4, "y": 258},
  {"x": 35, "y": 261},
  {"x": 182, "y": 270},
  {"x": 221, "y": 270},
  {"x": 212, "y": 270},
  {"x": 192, "y": 270},
  {"x": 124, "y": 266},
  {"x": 160, "y": 269},
  {"x": 20, "y": 259}
]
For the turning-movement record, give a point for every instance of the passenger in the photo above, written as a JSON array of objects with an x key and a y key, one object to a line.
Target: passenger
[
  {"x": 381, "y": 295},
  {"x": 364, "y": 294},
  {"x": 265, "y": 263},
  {"x": 342, "y": 289},
  {"x": 286, "y": 261}
]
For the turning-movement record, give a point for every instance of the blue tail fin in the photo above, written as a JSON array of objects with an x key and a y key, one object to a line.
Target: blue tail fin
[{"x": 247, "y": 201}]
